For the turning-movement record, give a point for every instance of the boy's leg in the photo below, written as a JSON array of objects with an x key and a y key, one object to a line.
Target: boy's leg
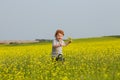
[
  {"x": 57, "y": 58},
  {"x": 60, "y": 57}
]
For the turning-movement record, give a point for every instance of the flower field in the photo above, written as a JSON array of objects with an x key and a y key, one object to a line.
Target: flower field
[{"x": 85, "y": 59}]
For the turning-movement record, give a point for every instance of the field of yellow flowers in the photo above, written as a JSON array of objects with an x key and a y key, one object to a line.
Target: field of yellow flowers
[{"x": 85, "y": 59}]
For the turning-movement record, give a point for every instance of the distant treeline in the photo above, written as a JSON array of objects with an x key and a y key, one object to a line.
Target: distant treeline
[
  {"x": 43, "y": 40},
  {"x": 24, "y": 41},
  {"x": 115, "y": 36}
]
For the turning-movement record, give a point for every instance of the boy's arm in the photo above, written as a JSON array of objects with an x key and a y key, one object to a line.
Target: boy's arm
[
  {"x": 57, "y": 45},
  {"x": 67, "y": 43}
]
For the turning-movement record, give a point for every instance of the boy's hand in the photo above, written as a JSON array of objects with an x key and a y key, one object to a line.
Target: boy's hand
[{"x": 60, "y": 44}]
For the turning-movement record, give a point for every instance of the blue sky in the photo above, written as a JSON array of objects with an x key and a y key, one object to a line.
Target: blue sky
[{"x": 31, "y": 19}]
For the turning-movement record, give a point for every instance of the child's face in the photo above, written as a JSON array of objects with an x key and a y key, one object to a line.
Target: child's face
[{"x": 59, "y": 36}]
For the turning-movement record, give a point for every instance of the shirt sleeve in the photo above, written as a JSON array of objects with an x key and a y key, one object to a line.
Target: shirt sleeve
[{"x": 53, "y": 43}]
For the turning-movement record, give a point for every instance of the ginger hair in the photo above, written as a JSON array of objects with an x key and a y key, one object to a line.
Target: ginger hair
[{"x": 59, "y": 31}]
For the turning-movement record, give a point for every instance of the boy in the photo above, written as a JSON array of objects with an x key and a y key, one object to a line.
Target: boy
[{"x": 57, "y": 44}]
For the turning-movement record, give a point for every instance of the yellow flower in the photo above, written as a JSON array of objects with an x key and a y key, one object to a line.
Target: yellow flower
[{"x": 65, "y": 78}]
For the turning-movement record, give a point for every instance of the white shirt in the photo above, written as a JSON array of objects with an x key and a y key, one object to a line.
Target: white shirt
[{"x": 58, "y": 50}]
